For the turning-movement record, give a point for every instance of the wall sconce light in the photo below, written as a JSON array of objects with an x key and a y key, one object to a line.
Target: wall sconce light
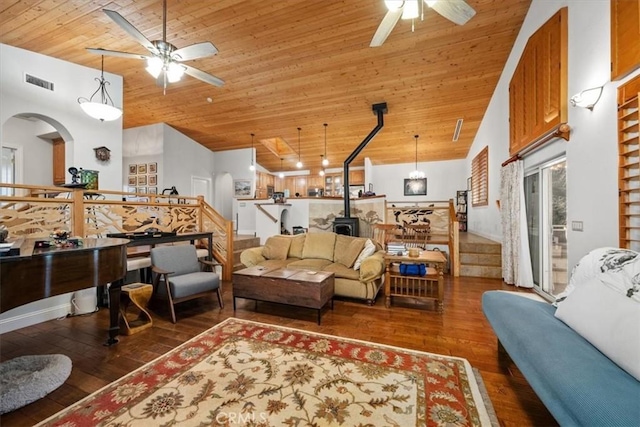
[
  {"x": 588, "y": 98},
  {"x": 102, "y": 109}
]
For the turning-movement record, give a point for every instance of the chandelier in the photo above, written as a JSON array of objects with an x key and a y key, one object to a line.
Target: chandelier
[
  {"x": 416, "y": 174},
  {"x": 104, "y": 110}
]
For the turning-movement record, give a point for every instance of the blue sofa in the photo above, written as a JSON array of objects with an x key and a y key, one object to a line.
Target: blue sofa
[{"x": 577, "y": 383}]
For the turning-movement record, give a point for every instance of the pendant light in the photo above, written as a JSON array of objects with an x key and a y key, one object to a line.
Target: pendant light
[
  {"x": 281, "y": 174},
  {"x": 416, "y": 174},
  {"x": 299, "y": 164},
  {"x": 252, "y": 167},
  {"x": 103, "y": 109},
  {"x": 325, "y": 160},
  {"x": 322, "y": 172}
]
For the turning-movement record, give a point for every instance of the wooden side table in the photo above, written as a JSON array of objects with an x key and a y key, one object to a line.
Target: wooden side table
[
  {"x": 419, "y": 287},
  {"x": 138, "y": 296}
]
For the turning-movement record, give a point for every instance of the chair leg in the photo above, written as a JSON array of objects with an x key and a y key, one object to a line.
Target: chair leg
[
  {"x": 220, "y": 297},
  {"x": 171, "y": 307}
]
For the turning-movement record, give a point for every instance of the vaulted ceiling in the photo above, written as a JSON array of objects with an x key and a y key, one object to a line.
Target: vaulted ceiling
[{"x": 289, "y": 64}]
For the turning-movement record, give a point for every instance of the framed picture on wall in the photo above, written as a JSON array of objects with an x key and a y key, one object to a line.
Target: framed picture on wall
[
  {"x": 153, "y": 168},
  {"x": 142, "y": 169},
  {"x": 153, "y": 180},
  {"x": 133, "y": 169},
  {"x": 141, "y": 190},
  {"x": 153, "y": 190},
  {"x": 142, "y": 179},
  {"x": 242, "y": 187},
  {"x": 415, "y": 187},
  {"x": 133, "y": 181}
]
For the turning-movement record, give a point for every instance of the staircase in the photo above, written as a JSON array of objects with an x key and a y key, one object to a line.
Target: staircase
[
  {"x": 240, "y": 243},
  {"x": 480, "y": 257}
]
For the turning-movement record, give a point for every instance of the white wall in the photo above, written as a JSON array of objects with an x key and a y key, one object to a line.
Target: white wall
[
  {"x": 443, "y": 180},
  {"x": 143, "y": 144},
  {"x": 37, "y": 170},
  {"x": 592, "y": 164},
  {"x": 81, "y": 133},
  {"x": 71, "y": 81}
]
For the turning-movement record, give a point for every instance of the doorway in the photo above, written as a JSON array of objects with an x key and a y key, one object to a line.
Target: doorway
[
  {"x": 201, "y": 186},
  {"x": 546, "y": 204}
]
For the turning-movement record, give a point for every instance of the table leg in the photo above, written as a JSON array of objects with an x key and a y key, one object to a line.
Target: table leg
[
  {"x": 440, "y": 302},
  {"x": 234, "y": 303},
  {"x": 387, "y": 285},
  {"x": 114, "y": 312}
]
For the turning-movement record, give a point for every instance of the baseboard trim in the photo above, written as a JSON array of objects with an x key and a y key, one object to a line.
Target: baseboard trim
[{"x": 34, "y": 317}]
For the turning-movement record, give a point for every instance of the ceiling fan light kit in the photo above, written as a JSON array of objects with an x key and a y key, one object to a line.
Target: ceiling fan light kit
[
  {"x": 456, "y": 11},
  {"x": 104, "y": 110}
]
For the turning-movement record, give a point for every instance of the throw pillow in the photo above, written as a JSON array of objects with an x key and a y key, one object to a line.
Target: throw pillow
[
  {"x": 347, "y": 249},
  {"x": 369, "y": 249},
  {"x": 276, "y": 247},
  {"x": 319, "y": 246},
  {"x": 297, "y": 244},
  {"x": 607, "y": 319}
]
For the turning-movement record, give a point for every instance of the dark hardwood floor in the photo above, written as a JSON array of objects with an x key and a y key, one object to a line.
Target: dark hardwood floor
[{"x": 461, "y": 330}]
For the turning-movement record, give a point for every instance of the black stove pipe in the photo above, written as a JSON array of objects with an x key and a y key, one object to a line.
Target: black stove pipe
[{"x": 379, "y": 110}]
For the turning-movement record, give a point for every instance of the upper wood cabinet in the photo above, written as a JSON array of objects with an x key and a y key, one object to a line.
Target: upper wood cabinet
[
  {"x": 538, "y": 88},
  {"x": 356, "y": 177},
  {"x": 625, "y": 37}
]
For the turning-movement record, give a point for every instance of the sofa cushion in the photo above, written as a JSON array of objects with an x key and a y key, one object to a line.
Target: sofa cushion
[
  {"x": 319, "y": 245},
  {"x": 297, "y": 243},
  {"x": 368, "y": 250},
  {"x": 342, "y": 271},
  {"x": 310, "y": 264},
  {"x": 276, "y": 247},
  {"x": 607, "y": 319},
  {"x": 347, "y": 249}
]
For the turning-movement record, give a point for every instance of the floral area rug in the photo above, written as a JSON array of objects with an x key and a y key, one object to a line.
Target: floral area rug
[{"x": 246, "y": 373}]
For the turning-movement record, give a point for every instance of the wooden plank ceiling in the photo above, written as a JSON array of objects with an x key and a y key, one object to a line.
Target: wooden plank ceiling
[{"x": 289, "y": 64}]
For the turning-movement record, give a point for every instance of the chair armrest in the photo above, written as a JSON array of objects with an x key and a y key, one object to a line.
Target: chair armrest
[
  {"x": 159, "y": 270},
  {"x": 372, "y": 267},
  {"x": 211, "y": 263}
]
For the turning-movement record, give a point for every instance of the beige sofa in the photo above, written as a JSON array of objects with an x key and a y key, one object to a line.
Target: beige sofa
[{"x": 358, "y": 263}]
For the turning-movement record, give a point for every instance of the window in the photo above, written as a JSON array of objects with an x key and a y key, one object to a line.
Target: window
[{"x": 480, "y": 178}]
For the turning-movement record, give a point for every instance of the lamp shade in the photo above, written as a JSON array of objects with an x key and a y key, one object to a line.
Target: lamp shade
[{"x": 100, "y": 111}]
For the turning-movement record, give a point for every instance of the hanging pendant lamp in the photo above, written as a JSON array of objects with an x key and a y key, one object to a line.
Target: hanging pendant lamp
[
  {"x": 104, "y": 109},
  {"x": 322, "y": 172},
  {"x": 252, "y": 167},
  {"x": 299, "y": 164},
  {"x": 325, "y": 160},
  {"x": 416, "y": 174},
  {"x": 281, "y": 174}
]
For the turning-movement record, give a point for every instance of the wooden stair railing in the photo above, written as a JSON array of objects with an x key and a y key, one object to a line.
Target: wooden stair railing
[{"x": 36, "y": 211}]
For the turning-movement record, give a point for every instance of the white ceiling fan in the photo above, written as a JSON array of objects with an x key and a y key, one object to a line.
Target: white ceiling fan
[
  {"x": 166, "y": 63},
  {"x": 457, "y": 11}
]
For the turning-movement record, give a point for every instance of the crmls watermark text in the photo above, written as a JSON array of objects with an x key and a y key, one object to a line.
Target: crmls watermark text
[{"x": 235, "y": 418}]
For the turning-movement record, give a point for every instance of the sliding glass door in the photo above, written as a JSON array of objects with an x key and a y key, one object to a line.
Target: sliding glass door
[{"x": 546, "y": 204}]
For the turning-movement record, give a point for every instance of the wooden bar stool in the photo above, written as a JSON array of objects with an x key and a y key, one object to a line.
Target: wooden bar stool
[{"x": 138, "y": 296}]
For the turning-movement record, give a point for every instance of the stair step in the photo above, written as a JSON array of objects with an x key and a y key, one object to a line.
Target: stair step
[
  {"x": 484, "y": 248},
  {"x": 491, "y": 272},
  {"x": 486, "y": 259}
]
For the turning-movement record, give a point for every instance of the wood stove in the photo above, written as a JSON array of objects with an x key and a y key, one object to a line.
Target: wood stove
[{"x": 346, "y": 226}]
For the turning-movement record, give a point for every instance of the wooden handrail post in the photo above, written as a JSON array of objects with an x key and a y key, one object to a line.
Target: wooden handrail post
[
  {"x": 199, "y": 212},
  {"x": 77, "y": 214}
]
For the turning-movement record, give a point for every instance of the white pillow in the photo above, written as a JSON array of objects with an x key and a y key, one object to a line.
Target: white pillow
[
  {"x": 607, "y": 319},
  {"x": 368, "y": 250}
]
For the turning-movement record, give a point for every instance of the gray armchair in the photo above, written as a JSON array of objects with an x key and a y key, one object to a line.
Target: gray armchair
[{"x": 179, "y": 276}]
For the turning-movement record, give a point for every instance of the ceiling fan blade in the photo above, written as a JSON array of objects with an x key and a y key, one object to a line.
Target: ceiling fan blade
[
  {"x": 201, "y": 75},
  {"x": 133, "y": 31},
  {"x": 457, "y": 11},
  {"x": 195, "y": 51},
  {"x": 384, "y": 29},
  {"x": 100, "y": 51}
]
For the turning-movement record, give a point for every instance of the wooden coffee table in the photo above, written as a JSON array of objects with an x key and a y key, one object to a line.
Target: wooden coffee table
[{"x": 300, "y": 288}]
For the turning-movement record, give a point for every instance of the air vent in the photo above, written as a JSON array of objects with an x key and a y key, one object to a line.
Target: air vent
[
  {"x": 456, "y": 132},
  {"x": 38, "y": 82}
]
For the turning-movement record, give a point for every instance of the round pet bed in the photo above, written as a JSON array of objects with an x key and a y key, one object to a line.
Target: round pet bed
[{"x": 26, "y": 379}]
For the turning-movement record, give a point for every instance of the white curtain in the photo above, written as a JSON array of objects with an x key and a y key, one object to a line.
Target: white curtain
[{"x": 516, "y": 261}]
